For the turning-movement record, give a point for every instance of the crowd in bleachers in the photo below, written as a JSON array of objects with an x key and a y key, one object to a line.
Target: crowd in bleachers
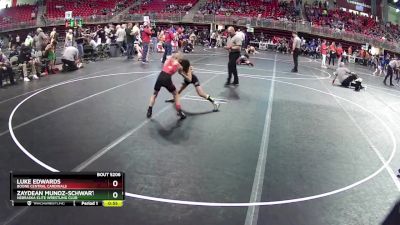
[
  {"x": 57, "y": 8},
  {"x": 20, "y": 13},
  {"x": 253, "y": 8},
  {"x": 320, "y": 14},
  {"x": 161, "y": 6}
]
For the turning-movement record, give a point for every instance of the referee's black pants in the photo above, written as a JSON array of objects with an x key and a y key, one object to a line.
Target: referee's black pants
[
  {"x": 296, "y": 54},
  {"x": 232, "y": 70}
]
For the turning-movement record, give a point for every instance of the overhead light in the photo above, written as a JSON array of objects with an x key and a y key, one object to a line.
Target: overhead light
[
  {"x": 397, "y": 10},
  {"x": 395, "y": 1}
]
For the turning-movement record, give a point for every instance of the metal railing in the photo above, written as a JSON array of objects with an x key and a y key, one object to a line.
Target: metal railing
[{"x": 304, "y": 27}]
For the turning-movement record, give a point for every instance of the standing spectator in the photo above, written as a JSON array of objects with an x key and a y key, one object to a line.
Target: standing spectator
[
  {"x": 213, "y": 40},
  {"x": 169, "y": 37},
  {"x": 350, "y": 51},
  {"x": 53, "y": 35},
  {"x": 146, "y": 34},
  {"x": 296, "y": 51},
  {"x": 136, "y": 31},
  {"x": 339, "y": 52},
  {"x": 130, "y": 39},
  {"x": 40, "y": 40},
  {"x": 324, "y": 51},
  {"x": 68, "y": 38},
  {"x": 18, "y": 40},
  {"x": 79, "y": 41},
  {"x": 29, "y": 41},
  {"x": 192, "y": 38},
  {"x": 234, "y": 45},
  {"x": 154, "y": 40},
  {"x": 332, "y": 54},
  {"x": 121, "y": 35},
  {"x": 101, "y": 35},
  {"x": 11, "y": 41}
]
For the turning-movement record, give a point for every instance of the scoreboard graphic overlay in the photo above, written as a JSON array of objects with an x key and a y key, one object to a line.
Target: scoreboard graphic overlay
[{"x": 67, "y": 189}]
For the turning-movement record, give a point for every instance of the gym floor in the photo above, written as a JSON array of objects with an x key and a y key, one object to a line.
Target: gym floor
[{"x": 284, "y": 148}]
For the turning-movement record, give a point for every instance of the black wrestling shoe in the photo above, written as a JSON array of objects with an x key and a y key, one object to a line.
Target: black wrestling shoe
[
  {"x": 170, "y": 100},
  {"x": 235, "y": 84},
  {"x": 149, "y": 112},
  {"x": 227, "y": 84},
  {"x": 294, "y": 71},
  {"x": 181, "y": 115}
]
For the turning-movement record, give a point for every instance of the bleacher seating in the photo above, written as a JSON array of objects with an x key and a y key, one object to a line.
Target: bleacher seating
[
  {"x": 17, "y": 14},
  {"x": 253, "y": 8},
  {"x": 57, "y": 8},
  {"x": 342, "y": 20},
  {"x": 164, "y": 6}
]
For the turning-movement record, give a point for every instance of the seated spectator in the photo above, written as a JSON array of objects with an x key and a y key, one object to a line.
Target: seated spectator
[
  {"x": 5, "y": 69},
  {"x": 25, "y": 59},
  {"x": 13, "y": 52}
]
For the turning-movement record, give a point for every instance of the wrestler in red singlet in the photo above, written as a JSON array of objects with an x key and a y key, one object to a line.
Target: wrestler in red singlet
[{"x": 171, "y": 66}]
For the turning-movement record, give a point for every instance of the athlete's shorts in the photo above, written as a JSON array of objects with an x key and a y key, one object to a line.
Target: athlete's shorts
[
  {"x": 164, "y": 80},
  {"x": 195, "y": 81}
]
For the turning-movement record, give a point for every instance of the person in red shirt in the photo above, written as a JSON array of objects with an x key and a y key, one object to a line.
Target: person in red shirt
[
  {"x": 339, "y": 52},
  {"x": 169, "y": 37},
  {"x": 171, "y": 66},
  {"x": 324, "y": 51},
  {"x": 146, "y": 36}
]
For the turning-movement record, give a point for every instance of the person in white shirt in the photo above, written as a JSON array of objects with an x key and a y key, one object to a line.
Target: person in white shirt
[
  {"x": 70, "y": 59},
  {"x": 242, "y": 36},
  {"x": 136, "y": 31},
  {"x": 121, "y": 35},
  {"x": 68, "y": 38},
  {"x": 29, "y": 41}
]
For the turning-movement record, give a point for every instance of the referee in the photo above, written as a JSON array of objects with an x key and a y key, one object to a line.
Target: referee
[
  {"x": 393, "y": 66},
  {"x": 296, "y": 51},
  {"x": 234, "y": 44}
]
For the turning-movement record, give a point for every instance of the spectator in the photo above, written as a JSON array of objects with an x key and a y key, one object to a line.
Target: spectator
[
  {"x": 40, "y": 40},
  {"x": 25, "y": 59},
  {"x": 121, "y": 35},
  {"x": 5, "y": 69},
  {"x": 130, "y": 39},
  {"x": 332, "y": 54},
  {"x": 70, "y": 59},
  {"x": 169, "y": 37},
  {"x": 324, "y": 51},
  {"x": 146, "y": 34}
]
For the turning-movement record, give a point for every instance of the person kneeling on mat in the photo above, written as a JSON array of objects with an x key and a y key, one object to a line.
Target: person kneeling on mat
[
  {"x": 70, "y": 59},
  {"x": 347, "y": 78},
  {"x": 190, "y": 78}
]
